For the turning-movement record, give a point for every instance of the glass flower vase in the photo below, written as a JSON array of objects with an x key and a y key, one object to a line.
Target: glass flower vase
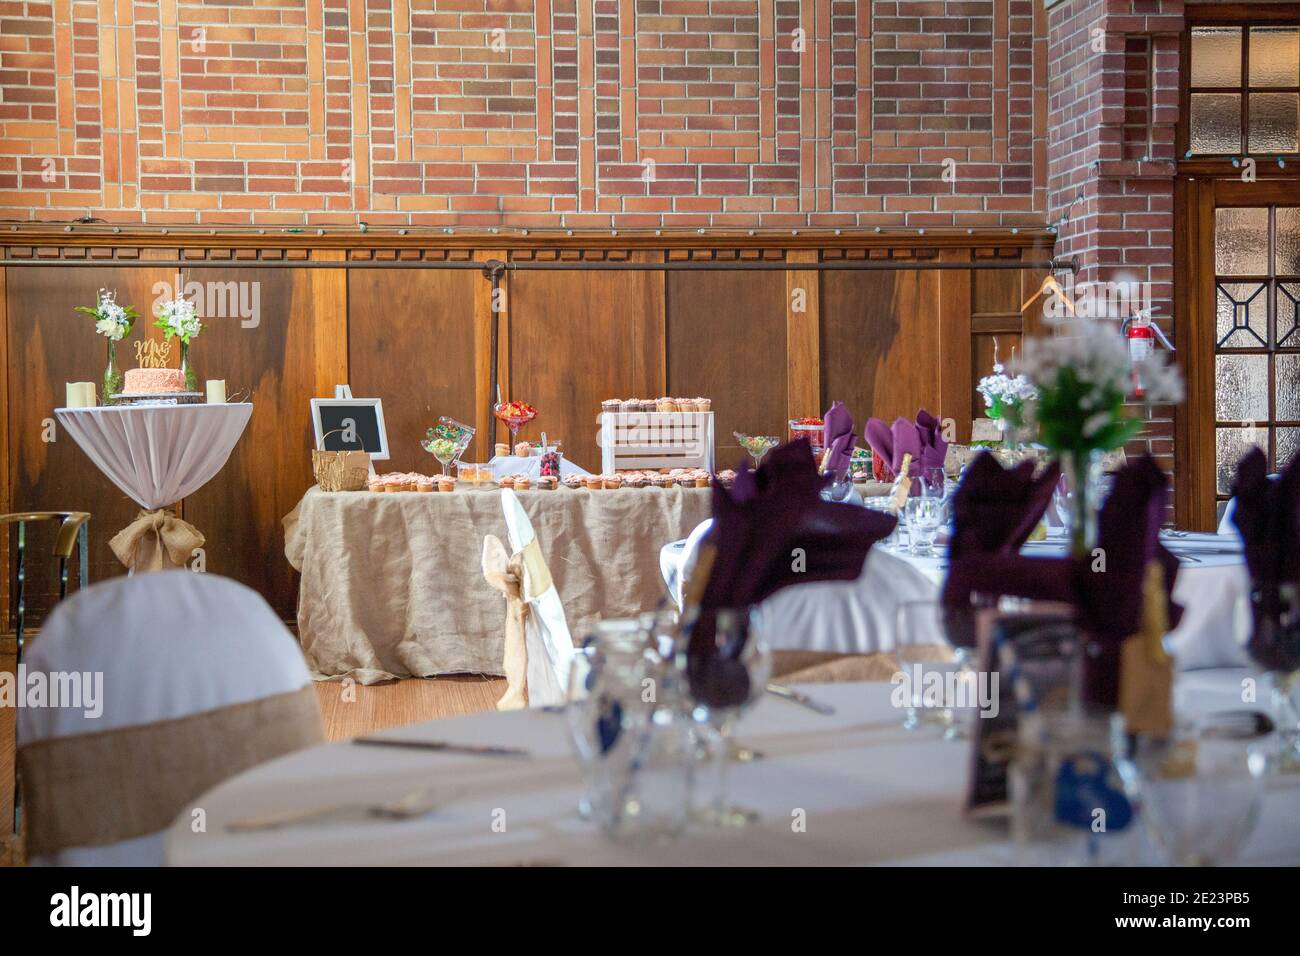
[
  {"x": 191, "y": 377},
  {"x": 1082, "y": 471},
  {"x": 112, "y": 377}
]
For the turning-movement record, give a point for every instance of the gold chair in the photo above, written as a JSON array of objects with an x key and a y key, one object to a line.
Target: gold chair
[{"x": 72, "y": 530}]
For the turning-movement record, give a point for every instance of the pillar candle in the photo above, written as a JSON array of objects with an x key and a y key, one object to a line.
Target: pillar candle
[
  {"x": 74, "y": 396},
  {"x": 88, "y": 397},
  {"x": 216, "y": 391}
]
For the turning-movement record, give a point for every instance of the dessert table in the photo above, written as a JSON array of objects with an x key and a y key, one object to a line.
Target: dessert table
[
  {"x": 873, "y": 793},
  {"x": 860, "y": 617},
  {"x": 392, "y": 583},
  {"x": 157, "y": 455}
]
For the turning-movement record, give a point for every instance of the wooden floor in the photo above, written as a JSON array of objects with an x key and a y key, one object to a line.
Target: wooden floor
[{"x": 347, "y": 710}]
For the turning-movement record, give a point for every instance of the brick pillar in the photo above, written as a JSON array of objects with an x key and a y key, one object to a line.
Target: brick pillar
[{"x": 1113, "y": 101}]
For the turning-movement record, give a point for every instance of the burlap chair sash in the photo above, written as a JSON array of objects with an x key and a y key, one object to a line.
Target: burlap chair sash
[
  {"x": 102, "y": 788},
  {"x": 506, "y": 574},
  {"x": 156, "y": 541}
]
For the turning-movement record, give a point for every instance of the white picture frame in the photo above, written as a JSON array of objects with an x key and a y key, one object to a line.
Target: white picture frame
[{"x": 321, "y": 409}]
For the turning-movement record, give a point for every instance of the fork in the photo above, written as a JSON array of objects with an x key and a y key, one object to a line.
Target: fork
[{"x": 417, "y": 803}]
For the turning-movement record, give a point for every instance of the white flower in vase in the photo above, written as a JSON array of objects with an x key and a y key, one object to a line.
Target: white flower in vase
[{"x": 179, "y": 317}]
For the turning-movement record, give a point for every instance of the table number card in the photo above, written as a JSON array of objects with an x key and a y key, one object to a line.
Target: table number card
[{"x": 1033, "y": 655}]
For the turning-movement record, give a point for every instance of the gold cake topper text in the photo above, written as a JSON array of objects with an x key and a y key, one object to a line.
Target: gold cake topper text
[{"x": 152, "y": 353}]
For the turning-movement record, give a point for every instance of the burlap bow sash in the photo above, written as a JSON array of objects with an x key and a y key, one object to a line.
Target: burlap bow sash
[
  {"x": 506, "y": 574},
  {"x": 156, "y": 541}
]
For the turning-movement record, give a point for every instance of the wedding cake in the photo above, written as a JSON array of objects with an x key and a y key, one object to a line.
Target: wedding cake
[{"x": 153, "y": 381}]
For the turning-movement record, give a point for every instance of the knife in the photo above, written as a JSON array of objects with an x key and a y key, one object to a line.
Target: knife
[
  {"x": 798, "y": 697},
  {"x": 477, "y": 750}
]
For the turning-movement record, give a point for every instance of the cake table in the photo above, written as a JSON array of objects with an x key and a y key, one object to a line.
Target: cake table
[{"x": 157, "y": 454}]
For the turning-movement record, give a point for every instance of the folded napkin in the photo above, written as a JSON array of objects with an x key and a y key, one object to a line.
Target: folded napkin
[
  {"x": 770, "y": 530},
  {"x": 922, "y": 439},
  {"x": 1267, "y": 515},
  {"x": 838, "y": 438},
  {"x": 1107, "y": 588}
]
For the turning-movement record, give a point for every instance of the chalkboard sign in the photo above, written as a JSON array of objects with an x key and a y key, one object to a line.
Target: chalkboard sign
[
  {"x": 1034, "y": 657},
  {"x": 350, "y": 424}
]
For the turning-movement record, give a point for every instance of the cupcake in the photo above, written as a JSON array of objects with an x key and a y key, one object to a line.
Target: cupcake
[
  {"x": 547, "y": 483},
  {"x": 702, "y": 480},
  {"x": 446, "y": 482},
  {"x": 573, "y": 481},
  {"x": 630, "y": 405},
  {"x": 613, "y": 482},
  {"x": 663, "y": 404},
  {"x": 524, "y": 449},
  {"x": 638, "y": 481},
  {"x": 704, "y": 404},
  {"x": 522, "y": 483},
  {"x": 686, "y": 481},
  {"x": 687, "y": 405},
  {"x": 392, "y": 485},
  {"x": 507, "y": 482},
  {"x": 611, "y": 405},
  {"x": 594, "y": 482},
  {"x": 425, "y": 485},
  {"x": 375, "y": 485},
  {"x": 726, "y": 477},
  {"x": 502, "y": 449}
]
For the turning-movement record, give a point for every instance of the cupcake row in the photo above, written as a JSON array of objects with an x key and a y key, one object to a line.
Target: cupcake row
[
  {"x": 409, "y": 481},
  {"x": 657, "y": 405}
]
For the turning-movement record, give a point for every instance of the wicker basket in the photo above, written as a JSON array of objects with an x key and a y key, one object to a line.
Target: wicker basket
[{"x": 340, "y": 470}]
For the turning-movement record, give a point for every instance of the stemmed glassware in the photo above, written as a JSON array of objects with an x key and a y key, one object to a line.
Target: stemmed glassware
[
  {"x": 736, "y": 632},
  {"x": 514, "y": 415},
  {"x": 757, "y": 445},
  {"x": 447, "y": 441}
]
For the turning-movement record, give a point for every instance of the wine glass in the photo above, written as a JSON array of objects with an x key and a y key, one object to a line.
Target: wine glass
[
  {"x": 924, "y": 518},
  {"x": 722, "y": 694},
  {"x": 514, "y": 415},
  {"x": 757, "y": 445}
]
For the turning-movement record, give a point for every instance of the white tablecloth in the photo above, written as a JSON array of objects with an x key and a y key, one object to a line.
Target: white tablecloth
[
  {"x": 507, "y": 465},
  {"x": 873, "y": 794},
  {"x": 860, "y": 617},
  {"x": 157, "y": 454}
]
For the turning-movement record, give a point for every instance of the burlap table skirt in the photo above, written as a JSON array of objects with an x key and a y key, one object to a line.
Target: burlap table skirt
[{"x": 392, "y": 584}]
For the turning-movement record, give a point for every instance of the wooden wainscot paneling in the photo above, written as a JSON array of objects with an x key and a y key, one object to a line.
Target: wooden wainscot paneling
[
  {"x": 411, "y": 342},
  {"x": 576, "y": 339},
  {"x": 881, "y": 341},
  {"x": 726, "y": 342},
  {"x": 273, "y": 359}
]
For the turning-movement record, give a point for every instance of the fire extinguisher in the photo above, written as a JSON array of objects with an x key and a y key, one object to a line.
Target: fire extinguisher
[{"x": 1142, "y": 334}]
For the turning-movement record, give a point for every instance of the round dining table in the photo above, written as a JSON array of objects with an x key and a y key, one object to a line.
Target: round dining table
[{"x": 852, "y": 787}]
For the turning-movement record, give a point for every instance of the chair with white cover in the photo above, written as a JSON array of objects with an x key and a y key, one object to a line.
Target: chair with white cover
[
  {"x": 539, "y": 647},
  {"x": 184, "y": 680}
]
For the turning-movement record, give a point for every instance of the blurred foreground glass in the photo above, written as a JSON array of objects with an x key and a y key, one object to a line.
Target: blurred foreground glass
[
  {"x": 631, "y": 731},
  {"x": 1198, "y": 793},
  {"x": 737, "y": 632}
]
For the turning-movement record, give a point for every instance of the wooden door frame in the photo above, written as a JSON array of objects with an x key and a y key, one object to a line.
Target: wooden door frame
[{"x": 1195, "y": 449}]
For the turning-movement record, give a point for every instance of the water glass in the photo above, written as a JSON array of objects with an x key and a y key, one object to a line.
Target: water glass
[
  {"x": 927, "y": 668},
  {"x": 924, "y": 518},
  {"x": 1198, "y": 793}
]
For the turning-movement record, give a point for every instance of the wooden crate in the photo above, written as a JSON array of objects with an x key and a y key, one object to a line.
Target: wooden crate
[{"x": 651, "y": 440}]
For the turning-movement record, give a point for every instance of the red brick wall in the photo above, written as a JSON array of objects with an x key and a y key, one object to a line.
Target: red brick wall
[
  {"x": 541, "y": 113},
  {"x": 1115, "y": 67}
]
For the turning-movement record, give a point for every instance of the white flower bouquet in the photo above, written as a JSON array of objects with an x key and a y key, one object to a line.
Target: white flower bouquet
[
  {"x": 112, "y": 321},
  {"x": 1005, "y": 395},
  {"x": 179, "y": 317}
]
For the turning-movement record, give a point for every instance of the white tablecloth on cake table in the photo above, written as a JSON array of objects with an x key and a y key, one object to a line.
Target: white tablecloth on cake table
[
  {"x": 157, "y": 454},
  {"x": 504, "y": 466},
  {"x": 872, "y": 792},
  {"x": 860, "y": 617}
]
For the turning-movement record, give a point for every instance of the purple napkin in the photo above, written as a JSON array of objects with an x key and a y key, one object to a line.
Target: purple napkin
[
  {"x": 1107, "y": 597},
  {"x": 838, "y": 438},
  {"x": 1267, "y": 515},
  {"x": 922, "y": 439},
  {"x": 757, "y": 527}
]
